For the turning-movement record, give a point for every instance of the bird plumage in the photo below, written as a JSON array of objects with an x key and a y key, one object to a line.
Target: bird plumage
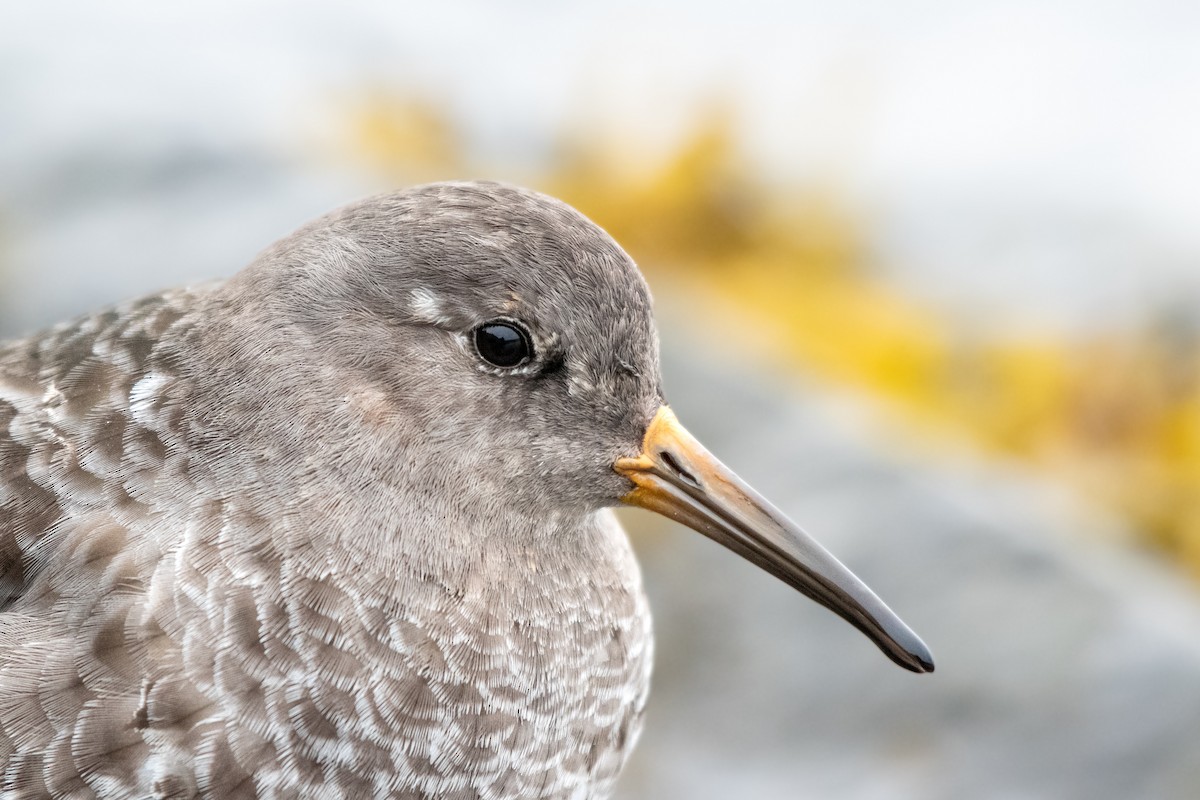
[{"x": 283, "y": 537}]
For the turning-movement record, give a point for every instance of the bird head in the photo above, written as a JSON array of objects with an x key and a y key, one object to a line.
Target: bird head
[{"x": 501, "y": 349}]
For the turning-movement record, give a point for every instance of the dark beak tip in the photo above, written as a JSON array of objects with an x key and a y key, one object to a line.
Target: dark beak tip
[
  {"x": 675, "y": 476},
  {"x": 900, "y": 644},
  {"x": 917, "y": 658}
]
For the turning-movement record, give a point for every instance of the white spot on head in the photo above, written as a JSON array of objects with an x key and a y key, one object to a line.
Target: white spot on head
[{"x": 426, "y": 306}]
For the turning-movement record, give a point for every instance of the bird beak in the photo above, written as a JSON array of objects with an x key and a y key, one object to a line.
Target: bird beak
[{"x": 676, "y": 477}]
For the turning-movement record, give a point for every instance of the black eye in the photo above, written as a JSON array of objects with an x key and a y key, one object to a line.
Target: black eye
[{"x": 503, "y": 344}]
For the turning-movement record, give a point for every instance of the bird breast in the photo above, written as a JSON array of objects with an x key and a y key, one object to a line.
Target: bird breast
[{"x": 510, "y": 687}]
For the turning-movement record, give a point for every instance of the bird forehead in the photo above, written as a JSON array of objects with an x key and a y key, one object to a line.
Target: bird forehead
[
  {"x": 457, "y": 255},
  {"x": 534, "y": 257}
]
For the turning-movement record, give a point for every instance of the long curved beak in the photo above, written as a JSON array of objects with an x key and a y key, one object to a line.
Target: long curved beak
[{"x": 676, "y": 477}]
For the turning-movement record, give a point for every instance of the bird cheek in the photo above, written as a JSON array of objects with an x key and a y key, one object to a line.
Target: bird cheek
[{"x": 370, "y": 405}]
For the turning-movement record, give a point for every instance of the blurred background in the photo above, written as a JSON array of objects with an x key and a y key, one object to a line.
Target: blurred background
[{"x": 928, "y": 275}]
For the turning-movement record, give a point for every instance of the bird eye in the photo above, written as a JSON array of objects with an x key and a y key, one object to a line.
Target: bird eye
[{"x": 503, "y": 344}]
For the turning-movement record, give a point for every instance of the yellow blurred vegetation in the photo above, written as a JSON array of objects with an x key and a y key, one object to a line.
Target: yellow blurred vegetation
[{"x": 1117, "y": 414}]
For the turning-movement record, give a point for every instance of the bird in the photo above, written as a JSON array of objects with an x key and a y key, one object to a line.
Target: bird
[{"x": 340, "y": 526}]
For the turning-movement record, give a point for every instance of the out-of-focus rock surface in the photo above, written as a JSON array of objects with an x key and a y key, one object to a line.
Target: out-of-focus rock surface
[{"x": 1067, "y": 666}]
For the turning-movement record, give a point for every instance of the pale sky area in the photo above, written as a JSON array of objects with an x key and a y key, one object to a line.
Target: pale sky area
[{"x": 1019, "y": 160}]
